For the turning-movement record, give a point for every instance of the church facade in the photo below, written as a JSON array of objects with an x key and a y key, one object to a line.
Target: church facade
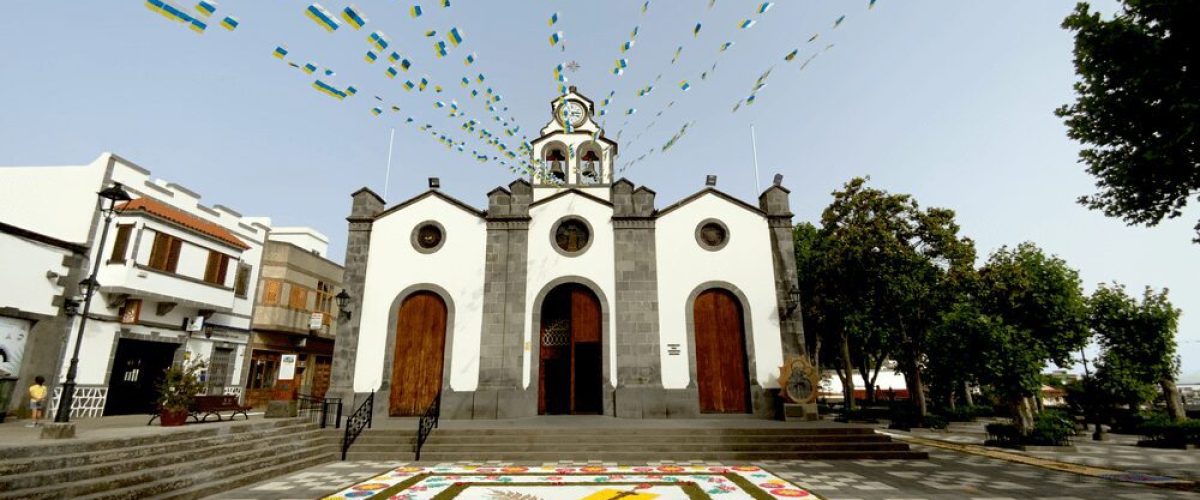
[{"x": 570, "y": 293}]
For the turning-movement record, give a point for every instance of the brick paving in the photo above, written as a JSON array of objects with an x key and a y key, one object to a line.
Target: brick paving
[{"x": 946, "y": 475}]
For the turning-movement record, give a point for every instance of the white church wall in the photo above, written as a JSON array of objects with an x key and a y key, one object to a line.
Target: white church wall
[
  {"x": 546, "y": 264},
  {"x": 394, "y": 265},
  {"x": 744, "y": 262}
]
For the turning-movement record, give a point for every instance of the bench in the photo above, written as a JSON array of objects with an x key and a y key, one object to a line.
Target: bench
[
  {"x": 204, "y": 406},
  {"x": 213, "y": 405}
]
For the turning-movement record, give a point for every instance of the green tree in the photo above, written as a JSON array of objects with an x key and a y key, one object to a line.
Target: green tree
[
  {"x": 1139, "y": 340},
  {"x": 1039, "y": 315},
  {"x": 888, "y": 269},
  {"x": 1137, "y": 107}
]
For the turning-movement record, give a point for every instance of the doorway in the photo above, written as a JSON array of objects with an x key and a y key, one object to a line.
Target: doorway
[
  {"x": 570, "y": 374},
  {"x": 721, "y": 373},
  {"x": 420, "y": 346},
  {"x": 137, "y": 369}
]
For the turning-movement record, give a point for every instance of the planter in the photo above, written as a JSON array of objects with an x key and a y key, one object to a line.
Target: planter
[{"x": 172, "y": 418}]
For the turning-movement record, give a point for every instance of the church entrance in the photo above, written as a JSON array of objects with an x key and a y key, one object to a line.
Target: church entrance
[
  {"x": 420, "y": 344},
  {"x": 720, "y": 353},
  {"x": 570, "y": 376}
]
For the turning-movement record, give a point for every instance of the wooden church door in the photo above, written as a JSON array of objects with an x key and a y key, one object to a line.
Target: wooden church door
[
  {"x": 420, "y": 344},
  {"x": 720, "y": 353},
  {"x": 570, "y": 376}
]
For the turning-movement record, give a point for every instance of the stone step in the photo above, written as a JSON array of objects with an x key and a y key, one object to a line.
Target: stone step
[
  {"x": 438, "y": 438},
  {"x": 689, "y": 447},
  {"x": 204, "y": 483},
  {"x": 167, "y": 476},
  {"x": 639, "y": 457},
  {"x": 184, "y": 452},
  {"x": 601, "y": 431},
  {"x": 97, "y": 458},
  {"x": 191, "y": 431}
]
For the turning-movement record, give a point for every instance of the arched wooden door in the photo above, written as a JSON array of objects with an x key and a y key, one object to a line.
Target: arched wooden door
[
  {"x": 720, "y": 353},
  {"x": 570, "y": 374},
  {"x": 420, "y": 344}
]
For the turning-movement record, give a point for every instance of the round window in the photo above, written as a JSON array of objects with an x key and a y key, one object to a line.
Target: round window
[
  {"x": 711, "y": 234},
  {"x": 571, "y": 236},
  {"x": 428, "y": 236}
]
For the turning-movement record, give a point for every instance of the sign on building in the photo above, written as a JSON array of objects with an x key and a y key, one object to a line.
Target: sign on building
[
  {"x": 316, "y": 321},
  {"x": 12, "y": 345},
  {"x": 287, "y": 367}
]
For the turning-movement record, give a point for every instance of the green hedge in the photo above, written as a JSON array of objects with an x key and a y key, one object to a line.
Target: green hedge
[
  {"x": 1161, "y": 429},
  {"x": 1050, "y": 428}
]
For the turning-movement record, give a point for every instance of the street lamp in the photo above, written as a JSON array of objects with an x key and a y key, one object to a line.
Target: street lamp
[
  {"x": 793, "y": 299},
  {"x": 343, "y": 302},
  {"x": 109, "y": 197}
]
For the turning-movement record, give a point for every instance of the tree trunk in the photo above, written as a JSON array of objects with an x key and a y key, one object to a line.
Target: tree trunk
[
  {"x": 868, "y": 383},
  {"x": 1174, "y": 402},
  {"x": 848, "y": 368},
  {"x": 950, "y": 400},
  {"x": 1024, "y": 415},
  {"x": 968, "y": 399},
  {"x": 916, "y": 391}
]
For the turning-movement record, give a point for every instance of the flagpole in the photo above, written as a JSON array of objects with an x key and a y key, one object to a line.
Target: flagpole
[
  {"x": 754, "y": 147},
  {"x": 387, "y": 176}
]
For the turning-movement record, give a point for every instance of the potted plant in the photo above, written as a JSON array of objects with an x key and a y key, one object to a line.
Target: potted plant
[{"x": 178, "y": 388}]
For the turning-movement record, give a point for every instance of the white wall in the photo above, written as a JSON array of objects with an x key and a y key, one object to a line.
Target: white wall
[
  {"x": 395, "y": 265},
  {"x": 55, "y": 201},
  {"x": 304, "y": 237},
  {"x": 23, "y": 268},
  {"x": 745, "y": 262},
  {"x": 545, "y": 264}
]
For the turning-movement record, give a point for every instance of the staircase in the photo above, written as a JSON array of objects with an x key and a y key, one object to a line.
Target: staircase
[
  {"x": 192, "y": 462},
  {"x": 632, "y": 444}
]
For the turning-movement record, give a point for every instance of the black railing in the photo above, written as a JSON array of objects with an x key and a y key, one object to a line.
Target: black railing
[
  {"x": 429, "y": 422},
  {"x": 320, "y": 411},
  {"x": 356, "y": 422}
]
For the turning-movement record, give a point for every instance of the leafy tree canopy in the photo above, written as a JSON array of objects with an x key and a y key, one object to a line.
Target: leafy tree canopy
[{"x": 1137, "y": 110}]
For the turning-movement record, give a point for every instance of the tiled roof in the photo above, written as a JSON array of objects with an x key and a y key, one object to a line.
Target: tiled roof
[{"x": 189, "y": 221}]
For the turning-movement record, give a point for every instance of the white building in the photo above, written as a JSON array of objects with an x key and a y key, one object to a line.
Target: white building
[
  {"x": 571, "y": 293},
  {"x": 176, "y": 277}
]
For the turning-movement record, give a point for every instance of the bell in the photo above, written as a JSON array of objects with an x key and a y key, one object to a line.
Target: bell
[{"x": 556, "y": 168}]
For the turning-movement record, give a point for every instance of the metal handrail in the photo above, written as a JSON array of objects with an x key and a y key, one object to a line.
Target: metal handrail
[
  {"x": 356, "y": 422},
  {"x": 429, "y": 422},
  {"x": 314, "y": 408}
]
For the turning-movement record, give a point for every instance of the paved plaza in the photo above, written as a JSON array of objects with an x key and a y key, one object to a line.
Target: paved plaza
[{"x": 945, "y": 475}]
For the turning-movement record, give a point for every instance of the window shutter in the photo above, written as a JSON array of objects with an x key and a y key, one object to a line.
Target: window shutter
[
  {"x": 222, "y": 268},
  {"x": 158, "y": 253},
  {"x": 122, "y": 243},
  {"x": 242, "y": 283},
  {"x": 210, "y": 267},
  {"x": 173, "y": 257}
]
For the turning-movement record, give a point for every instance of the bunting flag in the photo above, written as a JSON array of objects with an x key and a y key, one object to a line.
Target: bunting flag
[
  {"x": 376, "y": 111},
  {"x": 206, "y": 8},
  {"x": 747, "y": 23},
  {"x": 553, "y": 19},
  {"x": 424, "y": 83},
  {"x": 354, "y": 17},
  {"x": 631, "y": 111},
  {"x": 871, "y": 5},
  {"x": 332, "y": 91},
  {"x": 626, "y": 46},
  {"x": 791, "y": 55},
  {"x": 762, "y": 9},
  {"x": 555, "y": 38},
  {"x": 309, "y": 68},
  {"x": 409, "y": 85},
  {"x": 379, "y": 40},
  {"x": 439, "y": 49},
  {"x": 466, "y": 82},
  {"x": 391, "y": 72},
  {"x": 393, "y": 57},
  {"x": 696, "y": 30},
  {"x": 280, "y": 52},
  {"x": 684, "y": 86},
  {"x": 430, "y": 33},
  {"x": 230, "y": 23},
  {"x": 370, "y": 57},
  {"x": 322, "y": 17},
  {"x": 839, "y": 21},
  {"x": 445, "y": 4},
  {"x": 176, "y": 14},
  {"x": 329, "y": 72},
  {"x": 415, "y": 11},
  {"x": 725, "y": 46},
  {"x": 405, "y": 64},
  {"x": 470, "y": 59},
  {"x": 454, "y": 37},
  {"x": 645, "y": 6},
  {"x": 675, "y": 57}
]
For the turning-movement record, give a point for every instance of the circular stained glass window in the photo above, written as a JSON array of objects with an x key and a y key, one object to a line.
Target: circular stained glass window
[
  {"x": 711, "y": 234},
  {"x": 428, "y": 237},
  {"x": 572, "y": 236}
]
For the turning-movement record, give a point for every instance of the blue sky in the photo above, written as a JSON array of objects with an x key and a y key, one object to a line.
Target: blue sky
[{"x": 949, "y": 101}]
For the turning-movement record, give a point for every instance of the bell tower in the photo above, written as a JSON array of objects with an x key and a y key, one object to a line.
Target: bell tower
[{"x": 572, "y": 150}]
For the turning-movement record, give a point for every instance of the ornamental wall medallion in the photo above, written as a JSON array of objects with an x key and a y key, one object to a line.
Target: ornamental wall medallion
[{"x": 799, "y": 380}]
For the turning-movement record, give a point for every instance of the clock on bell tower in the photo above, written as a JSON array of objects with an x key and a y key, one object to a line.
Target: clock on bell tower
[{"x": 572, "y": 150}]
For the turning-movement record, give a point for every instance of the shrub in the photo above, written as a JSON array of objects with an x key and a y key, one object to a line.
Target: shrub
[
  {"x": 1003, "y": 434},
  {"x": 1051, "y": 428},
  {"x": 1161, "y": 429},
  {"x": 905, "y": 418},
  {"x": 964, "y": 413}
]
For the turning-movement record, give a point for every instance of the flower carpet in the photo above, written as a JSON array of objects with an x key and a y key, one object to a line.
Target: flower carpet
[{"x": 662, "y": 482}]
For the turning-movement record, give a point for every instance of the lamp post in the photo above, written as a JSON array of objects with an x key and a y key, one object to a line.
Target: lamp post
[
  {"x": 113, "y": 194},
  {"x": 343, "y": 303}
]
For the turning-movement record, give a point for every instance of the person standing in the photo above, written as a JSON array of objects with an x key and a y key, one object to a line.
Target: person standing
[{"x": 37, "y": 399}]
